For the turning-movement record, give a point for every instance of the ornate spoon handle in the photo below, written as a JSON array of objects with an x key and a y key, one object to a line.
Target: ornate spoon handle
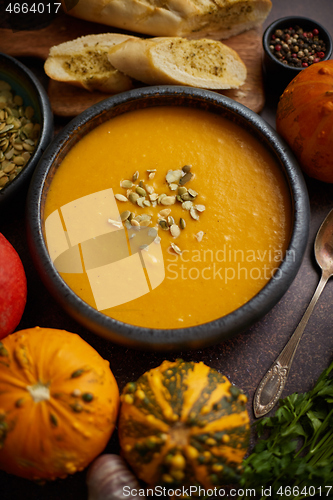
[{"x": 272, "y": 384}]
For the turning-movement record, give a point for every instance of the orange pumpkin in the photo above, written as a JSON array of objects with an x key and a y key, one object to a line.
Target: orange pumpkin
[
  {"x": 305, "y": 119},
  {"x": 183, "y": 424},
  {"x": 58, "y": 403}
]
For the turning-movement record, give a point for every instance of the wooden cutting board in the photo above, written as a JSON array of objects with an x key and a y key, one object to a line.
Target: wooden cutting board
[{"x": 69, "y": 101}]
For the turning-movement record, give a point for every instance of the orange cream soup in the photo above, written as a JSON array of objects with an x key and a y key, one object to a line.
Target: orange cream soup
[{"x": 246, "y": 223}]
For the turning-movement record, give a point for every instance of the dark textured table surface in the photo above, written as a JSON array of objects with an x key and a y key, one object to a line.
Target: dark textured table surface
[{"x": 246, "y": 357}]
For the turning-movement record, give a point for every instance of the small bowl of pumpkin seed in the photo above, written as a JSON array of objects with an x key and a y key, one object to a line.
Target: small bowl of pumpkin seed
[{"x": 26, "y": 126}]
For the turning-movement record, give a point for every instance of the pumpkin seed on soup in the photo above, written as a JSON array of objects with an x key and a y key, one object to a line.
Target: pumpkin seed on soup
[
  {"x": 186, "y": 178},
  {"x": 165, "y": 212},
  {"x": 126, "y": 184},
  {"x": 194, "y": 214},
  {"x": 182, "y": 190},
  {"x": 192, "y": 193},
  {"x": 120, "y": 197},
  {"x": 164, "y": 225},
  {"x": 141, "y": 191},
  {"x": 125, "y": 215},
  {"x": 175, "y": 230},
  {"x": 144, "y": 196},
  {"x": 168, "y": 200},
  {"x": 133, "y": 197},
  {"x": 176, "y": 248}
]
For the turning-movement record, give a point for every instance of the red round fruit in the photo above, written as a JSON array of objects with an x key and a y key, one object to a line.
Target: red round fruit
[{"x": 13, "y": 288}]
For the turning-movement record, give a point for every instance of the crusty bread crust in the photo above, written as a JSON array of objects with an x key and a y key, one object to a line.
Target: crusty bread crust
[
  {"x": 83, "y": 62},
  {"x": 174, "y": 60},
  {"x": 218, "y": 19}
]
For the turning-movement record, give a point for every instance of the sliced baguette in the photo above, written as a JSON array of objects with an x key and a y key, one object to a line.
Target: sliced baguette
[
  {"x": 198, "y": 63},
  {"x": 84, "y": 62},
  {"x": 218, "y": 19}
]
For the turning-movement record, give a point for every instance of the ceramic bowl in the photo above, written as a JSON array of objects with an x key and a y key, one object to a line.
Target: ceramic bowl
[
  {"x": 25, "y": 84},
  {"x": 277, "y": 75},
  {"x": 180, "y": 338}
]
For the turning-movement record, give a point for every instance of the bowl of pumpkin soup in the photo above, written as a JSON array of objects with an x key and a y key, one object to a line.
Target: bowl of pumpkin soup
[{"x": 167, "y": 218}]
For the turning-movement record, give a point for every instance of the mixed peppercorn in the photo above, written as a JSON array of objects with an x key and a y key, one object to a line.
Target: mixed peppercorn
[{"x": 296, "y": 47}]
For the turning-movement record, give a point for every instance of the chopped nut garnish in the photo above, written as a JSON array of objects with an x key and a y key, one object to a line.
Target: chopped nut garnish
[
  {"x": 144, "y": 196},
  {"x": 199, "y": 235}
]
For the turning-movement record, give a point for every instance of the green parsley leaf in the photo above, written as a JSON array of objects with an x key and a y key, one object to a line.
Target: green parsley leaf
[{"x": 295, "y": 445}]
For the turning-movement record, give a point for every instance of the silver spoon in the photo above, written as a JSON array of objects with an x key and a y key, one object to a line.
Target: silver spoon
[{"x": 272, "y": 384}]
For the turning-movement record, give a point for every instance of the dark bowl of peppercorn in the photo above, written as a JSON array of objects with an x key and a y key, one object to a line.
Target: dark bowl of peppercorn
[{"x": 292, "y": 44}]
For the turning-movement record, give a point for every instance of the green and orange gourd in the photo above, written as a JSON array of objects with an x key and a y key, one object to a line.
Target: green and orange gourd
[
  {"x": 58, "y": 403},
  {"x": 184, "y": 424}
]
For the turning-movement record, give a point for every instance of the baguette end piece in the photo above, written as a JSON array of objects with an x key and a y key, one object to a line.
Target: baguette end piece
[
  {"x": 83, "y": 62},
  {"x": 174, "y": 60}
]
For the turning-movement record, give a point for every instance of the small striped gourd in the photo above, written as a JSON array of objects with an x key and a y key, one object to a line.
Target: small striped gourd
[
  {"x": 58, "y": 403},
  {"x": 184, "y": 424}
]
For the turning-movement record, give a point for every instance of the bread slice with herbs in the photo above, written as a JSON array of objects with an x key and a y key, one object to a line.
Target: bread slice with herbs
[
  {"x": 178, "y": 61},
  {"x": 217, "y": 19},
  {"x": 84, "y": 62}
]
